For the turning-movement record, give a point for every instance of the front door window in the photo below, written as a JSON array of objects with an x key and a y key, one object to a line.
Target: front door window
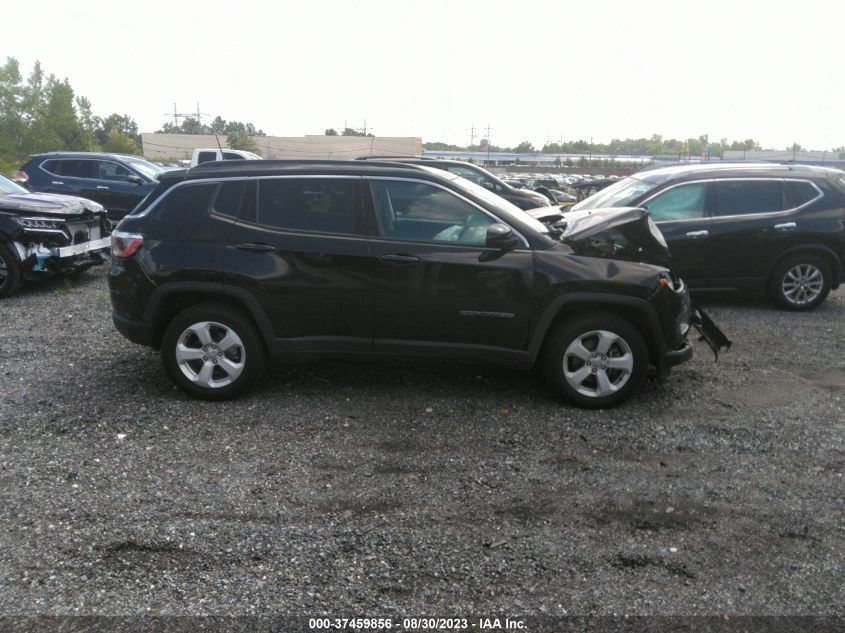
[
  {"x": 421, "y": 212},
  {"x": 685, "y": 202}
]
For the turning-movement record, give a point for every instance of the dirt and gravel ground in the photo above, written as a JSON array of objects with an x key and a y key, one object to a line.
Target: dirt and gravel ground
[{"x": 366, "y": 490}]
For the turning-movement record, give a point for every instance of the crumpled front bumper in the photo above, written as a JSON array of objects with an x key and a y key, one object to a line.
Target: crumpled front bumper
[
  {"x": 39, "y": 261},
  {"x": 85, "y": 247},
  {"x": 708, "y": 331}
]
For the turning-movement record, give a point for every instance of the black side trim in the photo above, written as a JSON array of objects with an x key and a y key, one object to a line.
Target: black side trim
[{"x": 432, "y": 349}]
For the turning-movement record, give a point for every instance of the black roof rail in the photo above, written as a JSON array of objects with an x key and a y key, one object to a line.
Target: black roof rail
[
  {"x": 270, "y": 167},
  {"x": 219, "y": 165}
]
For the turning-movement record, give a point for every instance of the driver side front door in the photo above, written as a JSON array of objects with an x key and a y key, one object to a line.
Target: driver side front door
[
  {"x": 681, "y": 214},
  {"x": 434, "y": 291}
]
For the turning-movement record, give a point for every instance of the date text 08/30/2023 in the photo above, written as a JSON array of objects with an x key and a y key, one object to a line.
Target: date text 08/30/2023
[{"x": 417, "y": 624}]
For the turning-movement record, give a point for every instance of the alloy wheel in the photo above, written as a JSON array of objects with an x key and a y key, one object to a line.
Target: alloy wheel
[
  {"x": 802, "y": 284},
  {"x": 210, "y": 354},
  {"x": 598, "y": 363}
]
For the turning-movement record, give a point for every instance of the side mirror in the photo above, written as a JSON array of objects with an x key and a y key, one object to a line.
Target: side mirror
[
  {"x": 501, "y": 237},
  {"x": 135, "y": 180}
]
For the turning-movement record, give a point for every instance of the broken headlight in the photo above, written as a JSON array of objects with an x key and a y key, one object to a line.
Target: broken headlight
[
  {"x": 41, "y": 224},
  {"x": 656, "y": 233},
  {"x": 683, "y": 319}
]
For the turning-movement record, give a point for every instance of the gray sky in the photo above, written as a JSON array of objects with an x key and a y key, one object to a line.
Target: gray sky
[{"x": 773, "y": 71}]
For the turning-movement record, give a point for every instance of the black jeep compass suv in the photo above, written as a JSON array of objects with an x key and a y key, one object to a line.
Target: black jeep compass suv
[{"x": 234, "y": 263}]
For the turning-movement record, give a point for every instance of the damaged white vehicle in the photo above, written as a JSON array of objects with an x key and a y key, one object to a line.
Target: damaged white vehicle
[{"x": 45, "y": 234}]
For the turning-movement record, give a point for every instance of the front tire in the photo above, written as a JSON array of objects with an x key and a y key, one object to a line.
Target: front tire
[
  {"x": 212, "y": 352},
  {"x": 596, "y": 361},
  {"x": 10, "y": 272},
  {"x": 800, "y": 283}
]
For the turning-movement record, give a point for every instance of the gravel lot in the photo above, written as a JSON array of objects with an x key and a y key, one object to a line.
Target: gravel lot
[{"x": 357, "y": 489}]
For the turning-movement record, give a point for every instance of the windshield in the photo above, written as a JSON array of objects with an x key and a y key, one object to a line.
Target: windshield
[
  {"x": 7, "y": 187},
  {"x": 619, "y": 194},
  {"x": 148, "y": 169},
  {"x": 497, "y": 202}
]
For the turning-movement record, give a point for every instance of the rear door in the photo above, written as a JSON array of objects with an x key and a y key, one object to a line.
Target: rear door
[
  {"x": 300, "y": 249},
  {"x": 68, "y": 176},
  {"x": 681, "y": 214},
  {"x": 749, "y": 229},
  {"x": 49, "y": 179},
  {"x": 438, "y": 290}
]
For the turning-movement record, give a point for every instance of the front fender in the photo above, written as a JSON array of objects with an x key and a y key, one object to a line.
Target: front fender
[{"x": 646, "y": 317}]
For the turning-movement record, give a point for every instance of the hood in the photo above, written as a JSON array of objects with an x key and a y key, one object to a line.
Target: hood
[
  {"x": 529, "y": 195},
  {"x": 546, "y": 215},
  {"x": 48, "y": 204},
  {"x": 626, "y": 233}
]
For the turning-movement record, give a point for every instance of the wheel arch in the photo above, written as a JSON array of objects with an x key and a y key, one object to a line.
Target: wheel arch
[
  {"x": 819, "y": 250},
  {"x": 170, "y": 299},
  {"x": 638, "y": 312}
]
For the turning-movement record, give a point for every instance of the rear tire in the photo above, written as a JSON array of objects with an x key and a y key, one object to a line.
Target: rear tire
[
  {"x": 800, "y": 282},
  {"x": 10, "y": 272},
  {"x": 596, "y": 360},
  {"x": 213, "y": 352}
]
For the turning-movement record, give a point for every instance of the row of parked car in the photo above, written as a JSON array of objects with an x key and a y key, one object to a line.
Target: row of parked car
[{"x": 231, "y": 264}]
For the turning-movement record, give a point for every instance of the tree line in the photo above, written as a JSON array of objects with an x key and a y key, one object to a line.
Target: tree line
[
  {"x": 41, "y": 113},
  {"x": 656, "y": 145}
]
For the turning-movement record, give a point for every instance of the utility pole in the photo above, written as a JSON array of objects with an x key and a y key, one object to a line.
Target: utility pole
[
  {"x": 488, "y": 143},
  {"x": 471, "y": 137},
  {"x": 183, "y": 115},
  {"x": 175, "y": 115}
]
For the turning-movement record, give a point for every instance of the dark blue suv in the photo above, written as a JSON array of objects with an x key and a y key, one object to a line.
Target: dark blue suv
[{"x": 117, "y": 181}]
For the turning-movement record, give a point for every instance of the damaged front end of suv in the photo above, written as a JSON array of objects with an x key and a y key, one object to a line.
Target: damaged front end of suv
[
  {"x": 629, "y": 233},
  {"x": 42, "y": 235}
]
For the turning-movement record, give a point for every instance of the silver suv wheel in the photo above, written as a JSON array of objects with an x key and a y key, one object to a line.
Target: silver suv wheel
[
  {"x": 802, "y": 284},
  {"x": 598, "y": 363},
  {"x": 210, "y": 354}
]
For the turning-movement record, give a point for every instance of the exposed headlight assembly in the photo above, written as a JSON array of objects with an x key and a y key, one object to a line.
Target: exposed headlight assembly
[
  {"x": 656, "y": 234},
  {"x": 47, "y": 225}
]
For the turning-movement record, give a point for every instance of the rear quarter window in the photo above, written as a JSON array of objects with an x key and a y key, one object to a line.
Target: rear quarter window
[
  {"x": 183, "y": 213},
  {"x": 151, "y": 197},
  {"x": 798, "y": 193},
  {"x": 227, "y": 199},
  {"x": 52, "y": 166}
]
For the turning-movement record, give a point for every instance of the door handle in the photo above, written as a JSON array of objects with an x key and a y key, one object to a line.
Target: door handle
[
  {"x": 101, "y": 187},
  {"x": 256, "y": 248},
  {"x": 56, "y": 182},
  {"x": 399, "y": 259},
  {"x": 697, "y": 234},
  {"x": 786, "y": 226}
]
